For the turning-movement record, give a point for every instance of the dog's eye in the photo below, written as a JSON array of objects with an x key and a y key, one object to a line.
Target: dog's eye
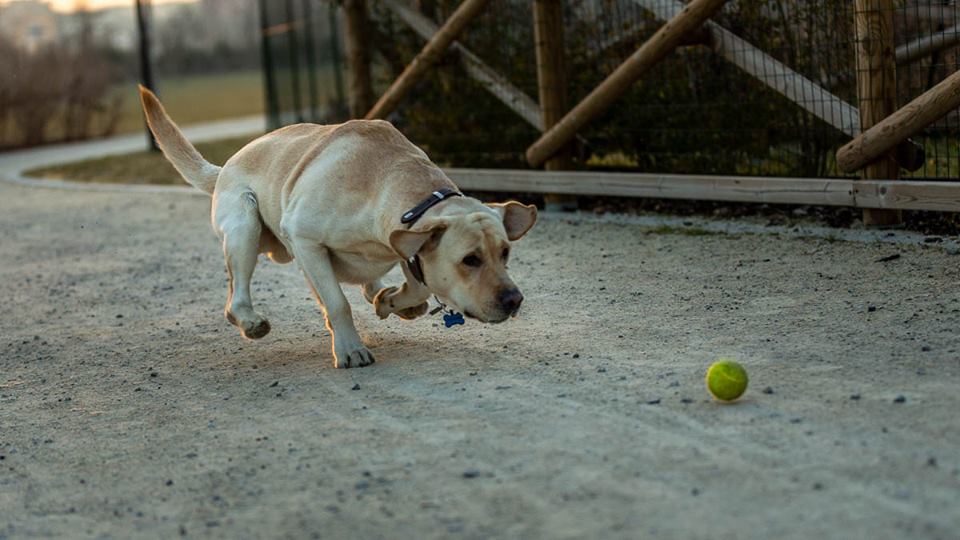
[{"x": 472, "y": 261}]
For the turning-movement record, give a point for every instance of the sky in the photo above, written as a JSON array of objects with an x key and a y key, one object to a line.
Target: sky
[{"x": 70, "y": 5}]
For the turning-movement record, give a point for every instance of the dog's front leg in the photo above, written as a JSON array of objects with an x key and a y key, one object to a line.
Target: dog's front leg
[
  {"x": 348, "y": 348},
  {"x": 407, "y": 302}
]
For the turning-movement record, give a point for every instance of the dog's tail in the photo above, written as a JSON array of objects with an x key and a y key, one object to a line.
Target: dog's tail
[{"x": 197, "y": 171}]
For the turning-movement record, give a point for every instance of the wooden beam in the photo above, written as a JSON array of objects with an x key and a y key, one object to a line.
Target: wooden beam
[
  {"x": 890, "y": 194},
  {"x": 441, "y": 40},
  {"x": 905, "y": 122},
  {"x": 876, "y": 91},
  {"x": 664, "y": 41},
  {"x": 551, "y": 76},
  {"x": 358, "y": 56},
  {"x": 927, "y": 45},
  {"x": 498, "y": 85}
]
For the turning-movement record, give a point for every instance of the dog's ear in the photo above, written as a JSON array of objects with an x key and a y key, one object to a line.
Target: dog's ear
[
  {"x": 518, "y": 218},
  {"x": 409, "y": 243}
]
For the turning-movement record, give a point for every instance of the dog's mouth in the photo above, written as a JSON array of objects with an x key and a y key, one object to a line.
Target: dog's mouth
[
  {"x": 498, "y": 320},
  {"x": 502, "y": 318}
]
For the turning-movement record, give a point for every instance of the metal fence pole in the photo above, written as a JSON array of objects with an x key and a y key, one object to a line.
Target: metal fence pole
[
  {"x": 146, "y": 66},
  {"x": 269, "y": 81},
  {"x": 337, "y": 58},
  {"x": 294, "y": 47},
  {"x": 311, "y": 57}
]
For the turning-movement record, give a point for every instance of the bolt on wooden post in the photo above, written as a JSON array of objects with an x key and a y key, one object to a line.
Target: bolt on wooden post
[
  {"x": 552, "y": 84},
  {"x": 876, "y": 91}
]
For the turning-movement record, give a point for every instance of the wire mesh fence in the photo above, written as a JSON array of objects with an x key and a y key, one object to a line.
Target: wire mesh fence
[
  {"x": 302, "y": 61},
  {"x": 768, "y": 87}
]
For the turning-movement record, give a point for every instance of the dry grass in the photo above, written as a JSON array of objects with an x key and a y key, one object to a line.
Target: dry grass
[
  {"x": 196, "y": 99},
  {"x": 189, "y": 100},
  {"x": 138, "y": 168}
]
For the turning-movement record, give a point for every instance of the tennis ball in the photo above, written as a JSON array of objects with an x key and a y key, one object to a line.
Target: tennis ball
[{"x": 726, "y": 380}]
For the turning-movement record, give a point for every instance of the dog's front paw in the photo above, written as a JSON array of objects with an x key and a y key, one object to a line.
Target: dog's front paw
[
  {"x": 351, "y": 355},
  {"x": 382, "y": 304}
]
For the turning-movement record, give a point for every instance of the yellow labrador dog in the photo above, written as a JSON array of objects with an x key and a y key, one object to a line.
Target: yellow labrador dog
[{"x": 349, "y": 202}]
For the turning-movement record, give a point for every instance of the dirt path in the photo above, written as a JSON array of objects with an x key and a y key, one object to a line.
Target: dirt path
[{"x": 130, "y": 408}]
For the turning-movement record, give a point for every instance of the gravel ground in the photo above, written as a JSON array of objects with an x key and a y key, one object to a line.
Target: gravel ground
[{"x": 129, "y": 408}]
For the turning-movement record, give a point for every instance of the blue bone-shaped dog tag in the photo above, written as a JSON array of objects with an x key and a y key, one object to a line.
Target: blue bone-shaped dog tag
[{"x": 452, "y": 318}]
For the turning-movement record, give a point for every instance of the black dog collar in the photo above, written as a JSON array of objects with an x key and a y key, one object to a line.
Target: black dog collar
[
  {"x": 416, "y": 269},
  {"x": 411, "y": 217}
]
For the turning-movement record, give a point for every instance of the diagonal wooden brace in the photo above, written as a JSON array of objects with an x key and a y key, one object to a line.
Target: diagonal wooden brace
[
  {"x": 493, "y": 82},
  {"x": 664, "y": 41},
  {"x": 906, "y": 121},
  {"x": 431, "y": 52}
]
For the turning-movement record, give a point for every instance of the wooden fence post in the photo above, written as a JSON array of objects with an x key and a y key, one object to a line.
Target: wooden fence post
[
  {"x": 358, "y": 57},
  {"x": 876, "y": 91},
  {"x": 552, "y": 85}
]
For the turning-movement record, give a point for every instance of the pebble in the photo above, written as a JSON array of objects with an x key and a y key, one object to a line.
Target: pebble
[
  {"x": 768, "y": 390},
  {"x": 356, "y": 386},
  {"x": 855, "y": 397},
  {"x": 471, "y": 473},
  {"x": 900, "y": 399}
]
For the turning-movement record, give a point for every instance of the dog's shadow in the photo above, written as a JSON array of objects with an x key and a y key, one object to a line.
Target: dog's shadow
[{"x": 310, "y": 350}]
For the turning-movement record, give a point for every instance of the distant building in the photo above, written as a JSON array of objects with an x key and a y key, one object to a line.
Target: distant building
[{"x": 29, "y": 24}]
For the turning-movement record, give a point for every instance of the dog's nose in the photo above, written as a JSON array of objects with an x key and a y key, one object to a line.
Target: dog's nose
[{"x": 510, "y": 299}]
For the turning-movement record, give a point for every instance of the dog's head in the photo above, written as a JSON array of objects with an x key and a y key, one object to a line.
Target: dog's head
[{"x": 464, "y": 257}]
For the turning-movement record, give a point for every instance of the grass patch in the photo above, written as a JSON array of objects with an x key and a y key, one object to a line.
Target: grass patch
[
  {"x": 197, "y": 98},
  {"x": 144, "y": 167}
]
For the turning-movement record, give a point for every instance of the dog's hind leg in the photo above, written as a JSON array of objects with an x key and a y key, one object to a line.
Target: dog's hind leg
[{"x": 237, "y": 222}]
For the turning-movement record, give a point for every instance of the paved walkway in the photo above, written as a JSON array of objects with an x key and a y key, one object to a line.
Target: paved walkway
[{"x": 13, "y": 164}]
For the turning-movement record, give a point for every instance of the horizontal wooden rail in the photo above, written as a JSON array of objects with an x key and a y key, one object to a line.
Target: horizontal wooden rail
[
  {"x": 664, "y": 41},
  {"x": 927, "y": 45},
  {"x": 893, "y": 194},
  {"x": 466, "y": 12},
  {"x": 905, "y": 122}
]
